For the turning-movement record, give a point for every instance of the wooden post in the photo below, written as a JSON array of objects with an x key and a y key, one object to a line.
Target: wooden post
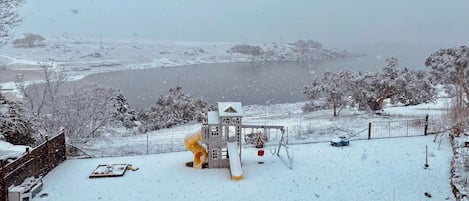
[
  {"x": 369, "y": 130},
  {"x": 426, "y": 157},
  {"x": 49, "y": 162},
  {"x": 4, "y": 193},
  {"x": 426, "y": 125},
  {"x": 63, "y": 147}
]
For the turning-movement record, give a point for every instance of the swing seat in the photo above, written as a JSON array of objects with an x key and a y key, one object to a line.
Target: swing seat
[{"x": 260, "y": 152}]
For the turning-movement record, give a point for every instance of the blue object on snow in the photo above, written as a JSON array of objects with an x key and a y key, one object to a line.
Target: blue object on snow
[{"x": 340, "y": 141}]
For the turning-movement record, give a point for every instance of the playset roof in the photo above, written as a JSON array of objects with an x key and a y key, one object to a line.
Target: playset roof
[{"x": 230, "y": 109}]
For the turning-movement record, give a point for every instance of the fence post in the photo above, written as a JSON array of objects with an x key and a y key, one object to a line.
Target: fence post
[
  {"x": 426, "y": 125},
  {"x": 369, "y": 130},
  {"x": 2, "y": 181},
  {"x": 407, "y": 128},
  {"x": 389, "y": 129},
  {"x": 64, "y": 146},
  {"x": 49, "y": 165}
]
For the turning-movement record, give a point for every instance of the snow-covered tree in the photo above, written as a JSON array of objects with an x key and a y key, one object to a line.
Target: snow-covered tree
[
  {"x": 368, "y": 91},
  {"x": 405, "y": 86},
  {"x": 9, "y": 18},
  {"x": 15, "y": 127},
  {"x": 333, "y": 90},
  {"x": 123, "y": 113},
  {"x": 450, "y": 67},
  {"x": 41, "y": 96},
  {"x": 173, "y": 109},
  {"x": 83, "y": 112}
]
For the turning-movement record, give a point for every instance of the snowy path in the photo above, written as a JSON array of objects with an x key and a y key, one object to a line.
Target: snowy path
[{"x": 366, "y": 171}]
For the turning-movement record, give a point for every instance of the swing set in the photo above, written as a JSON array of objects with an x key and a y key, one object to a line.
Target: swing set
[{"x": 261, "y": 135}]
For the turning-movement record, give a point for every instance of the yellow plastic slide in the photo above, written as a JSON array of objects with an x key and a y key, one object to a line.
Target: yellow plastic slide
[{"x": 192, "y": 144}]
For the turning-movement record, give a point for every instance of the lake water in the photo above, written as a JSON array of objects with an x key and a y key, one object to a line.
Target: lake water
[{"x": 249, "y": 83}]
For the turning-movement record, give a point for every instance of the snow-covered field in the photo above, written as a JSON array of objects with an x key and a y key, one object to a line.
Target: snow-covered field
[
  {"x": 385, "y": 169},
  {"x": 367, "y": 170}
]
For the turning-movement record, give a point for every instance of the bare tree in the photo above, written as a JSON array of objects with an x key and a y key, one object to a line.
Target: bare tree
[
  {"x": 83, "y": 112},
  {"x": 9, "y": 18},
  {"x": 41, "y": 95}
]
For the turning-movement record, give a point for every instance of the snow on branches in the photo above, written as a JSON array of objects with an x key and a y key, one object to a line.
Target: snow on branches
[
  {"x": 15, "y": 127},
  {"x": 83, "y": 112},
  {"x": 122, "y": 112},
  {"x": 176, "y": 108},
  {"x": 450, "y": 67},
  {"x": 333, "y": 89},
  {"x": 9, "y": 18},
  {"x": 368, "y": 91}
]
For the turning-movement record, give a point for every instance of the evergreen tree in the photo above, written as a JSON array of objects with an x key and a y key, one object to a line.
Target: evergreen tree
[
  {"x": 176, "y": 108},
  {"x": 123, "y": 114},
  {"x": 15, "y": 127}
]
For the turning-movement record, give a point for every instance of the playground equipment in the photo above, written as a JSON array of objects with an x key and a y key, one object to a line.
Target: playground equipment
[
  {"x": 192, "y": 144},
  {"x": 220, "y": 140},
  {"x": 235, "y": 162}
]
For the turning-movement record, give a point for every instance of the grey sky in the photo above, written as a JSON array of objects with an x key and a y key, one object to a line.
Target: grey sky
[{"x": 329, "y": 21}]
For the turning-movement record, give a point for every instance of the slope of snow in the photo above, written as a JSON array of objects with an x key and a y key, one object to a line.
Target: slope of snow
[{"x": 386, "y": 169}]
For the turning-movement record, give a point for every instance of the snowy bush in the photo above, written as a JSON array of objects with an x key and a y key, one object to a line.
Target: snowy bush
[
  {"x": 247, "y": 49},
  {"x": 176, "y": 108},
  {"x": 29, "y": 40},
  {"x": 15, "y": 127}
]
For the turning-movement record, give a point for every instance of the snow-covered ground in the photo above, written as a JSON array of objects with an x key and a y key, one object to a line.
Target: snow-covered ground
[
  {"x": 10, "y": 151},
  {"x": 385, "y": 169},
  {"x": 382, "y": 169}
]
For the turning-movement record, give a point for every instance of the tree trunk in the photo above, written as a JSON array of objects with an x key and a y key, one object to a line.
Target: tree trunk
[{"x": 335, "y": 109}]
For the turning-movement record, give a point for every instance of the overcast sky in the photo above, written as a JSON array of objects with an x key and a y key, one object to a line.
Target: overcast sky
[{"x": 329, "y": 21}]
